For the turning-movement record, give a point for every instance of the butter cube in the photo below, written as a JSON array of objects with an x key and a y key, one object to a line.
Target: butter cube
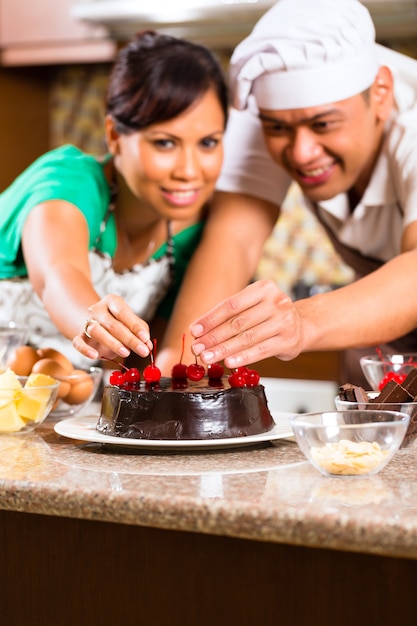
[
  {"x": 32, "y": 406},
  {"x": 9, "y": 380},
  {"x": 9, "y": 395},
  {"x": 10, "y": 420}
]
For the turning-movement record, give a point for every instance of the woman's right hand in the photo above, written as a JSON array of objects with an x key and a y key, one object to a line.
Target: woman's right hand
[{"x": 112, "y": 329}]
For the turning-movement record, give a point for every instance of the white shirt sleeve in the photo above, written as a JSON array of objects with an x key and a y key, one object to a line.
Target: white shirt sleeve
[{"x": 248, "y": 167}]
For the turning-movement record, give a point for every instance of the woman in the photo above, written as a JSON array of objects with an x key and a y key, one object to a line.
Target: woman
[{"x": 101, "y": 244}]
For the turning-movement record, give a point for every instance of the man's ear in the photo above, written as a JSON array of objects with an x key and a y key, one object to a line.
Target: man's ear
[
  {"x": 112, "y": 136},
  {"x": 382, "y": 93}
]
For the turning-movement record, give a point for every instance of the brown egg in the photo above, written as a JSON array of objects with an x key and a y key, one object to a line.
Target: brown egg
[
  {"x": 55, "y": 355},
  {"x": 81, "y": 387},
  {"x": 22, "y": 360},
  {"x": 54, "y": 369}
]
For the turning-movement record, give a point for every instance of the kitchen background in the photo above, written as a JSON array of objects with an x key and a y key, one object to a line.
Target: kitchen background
[{"x": 53, "y": 77}]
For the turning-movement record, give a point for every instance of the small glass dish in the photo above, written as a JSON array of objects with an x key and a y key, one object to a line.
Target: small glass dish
[
  {"x": 352, "y": 442},
  {"x": 379, "y": 368},
  {"x": 410, "y": 408},
  {"x": 25, "y": 402},
  {"x": 11, "y": 337}
]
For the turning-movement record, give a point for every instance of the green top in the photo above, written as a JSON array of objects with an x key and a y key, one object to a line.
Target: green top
[{"x": 68, "y": 174}]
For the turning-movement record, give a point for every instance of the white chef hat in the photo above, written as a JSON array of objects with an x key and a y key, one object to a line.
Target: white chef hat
[{"x": 305, "y": 53}]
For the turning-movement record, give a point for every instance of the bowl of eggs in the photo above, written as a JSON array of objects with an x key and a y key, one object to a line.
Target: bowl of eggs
[{"x": 77, "y": 387}]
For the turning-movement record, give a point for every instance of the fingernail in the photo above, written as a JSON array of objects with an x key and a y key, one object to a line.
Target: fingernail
[
  {"x": 144, "y": 336},
  {"x": 92, "y": 354},
  {"x": 198, "y": 348},
  {"x": 124, "y": 351},
  {"x": 233, "y": 362},
  {"x": 197, "y": 330},
  {"x": 142, "y": 349},
  {"x": 208, "y": 356}
]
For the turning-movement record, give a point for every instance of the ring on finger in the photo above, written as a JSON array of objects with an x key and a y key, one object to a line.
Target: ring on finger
[{"x": 86, "y": 325}]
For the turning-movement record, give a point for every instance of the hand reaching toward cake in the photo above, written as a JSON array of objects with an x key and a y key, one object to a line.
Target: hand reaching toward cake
[
  {"x": 112, "y": 329},
  {"x": 258, "y": 322}
]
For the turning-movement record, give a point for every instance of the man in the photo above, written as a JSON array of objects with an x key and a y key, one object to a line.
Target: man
[{"x": 317, "y": 97}]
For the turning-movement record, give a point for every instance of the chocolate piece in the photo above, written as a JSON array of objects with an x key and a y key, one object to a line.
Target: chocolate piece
[
  {"x": 352, "y": 393},
  {"x": 197, "y": 412},
  {"x": 392, "y": 392},
  {"x": 410, "y": 383}
]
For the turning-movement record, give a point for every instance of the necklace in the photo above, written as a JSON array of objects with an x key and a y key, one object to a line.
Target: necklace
[{"x": 114, "y": 191}]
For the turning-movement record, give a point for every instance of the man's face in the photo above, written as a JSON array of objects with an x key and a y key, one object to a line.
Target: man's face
[{"x": 327, "y": 149}]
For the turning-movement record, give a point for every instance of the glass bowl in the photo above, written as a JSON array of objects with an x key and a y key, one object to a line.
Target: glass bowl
[
  {"x": 77, "y": 391},
  {"x": 402, "y": 407},
  {"x": 25, "y": 401},
  {"x": 11, "y": 337},
  {"x": 378, "y": 369},
  {"x": 350, "y": 443}
]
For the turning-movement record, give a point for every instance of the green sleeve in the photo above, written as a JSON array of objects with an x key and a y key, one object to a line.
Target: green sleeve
[{"x": 65, "y": 173}]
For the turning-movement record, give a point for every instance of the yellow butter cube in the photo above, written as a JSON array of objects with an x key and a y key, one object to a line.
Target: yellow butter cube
[
  {"x": 32, "y": 406},
  {"x": 9, "y": 380},
  {"x": 9, "y": 395},
  {"x": 10, "y": 420}
]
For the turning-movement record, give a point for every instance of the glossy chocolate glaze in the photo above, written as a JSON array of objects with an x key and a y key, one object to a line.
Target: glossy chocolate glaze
[{"x": 198, "y": 411}]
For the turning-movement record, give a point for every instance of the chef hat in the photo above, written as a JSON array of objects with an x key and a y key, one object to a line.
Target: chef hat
[{"x": 305, "y": 53}]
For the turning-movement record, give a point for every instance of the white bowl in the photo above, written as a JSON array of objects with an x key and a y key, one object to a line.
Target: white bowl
[{"x": 352, "y": 442}]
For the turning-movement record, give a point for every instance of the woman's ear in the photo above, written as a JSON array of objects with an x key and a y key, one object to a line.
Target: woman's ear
[
  {"x": 382, "y": 93},
  {"x": 112, "y": 136}
]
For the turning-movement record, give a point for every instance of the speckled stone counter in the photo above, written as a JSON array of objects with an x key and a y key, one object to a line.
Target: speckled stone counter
[
  {"x": 267, "y": 492},
  {"x": 249, "y": 536}
]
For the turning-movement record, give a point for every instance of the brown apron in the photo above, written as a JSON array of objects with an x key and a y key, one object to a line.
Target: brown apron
[{"x": 362, "y": 265}]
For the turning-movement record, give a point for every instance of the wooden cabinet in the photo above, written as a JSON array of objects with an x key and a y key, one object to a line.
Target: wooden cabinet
[
  {"x": 44, "y": 33},
  {"x": 24, "y": 118},
  {"x": 311, "y": 366}
]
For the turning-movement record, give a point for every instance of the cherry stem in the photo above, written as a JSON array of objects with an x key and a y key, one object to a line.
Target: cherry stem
[
  {"x": 105, "y": 358},
  {"x": 152, "y": 353},
  {"x": 183, "y": 346},
  {"x": 381, "y": 356}
]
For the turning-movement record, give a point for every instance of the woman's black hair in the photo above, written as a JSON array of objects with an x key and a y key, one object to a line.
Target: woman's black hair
[{"x": 156, "y": 77}]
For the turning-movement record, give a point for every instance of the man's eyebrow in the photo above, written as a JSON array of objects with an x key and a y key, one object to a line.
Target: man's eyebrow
[{"x": 314, "y": 118}]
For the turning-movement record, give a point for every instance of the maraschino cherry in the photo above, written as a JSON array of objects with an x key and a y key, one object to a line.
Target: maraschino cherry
[
  {"x": 152, "y": 373},
  {"x": 195, "y": 371},
  {"x": 215, "y": 371},
  {"x": 129, "y": 378},
  {"x": 117, "y": 378},
  {"x": 180, "y": 370},
  {"x": 244, "y": 377}
]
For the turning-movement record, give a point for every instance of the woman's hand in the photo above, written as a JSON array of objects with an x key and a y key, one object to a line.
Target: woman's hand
[
  {"x": 258, "y": 322},
  {"x": 112, "y": 329}
]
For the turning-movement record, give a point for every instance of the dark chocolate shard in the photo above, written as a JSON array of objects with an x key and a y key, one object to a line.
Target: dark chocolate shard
[
  {"x": 353, "y": 393},
  {"x": 410, "y": 383},
  {"x": 393, "y": 392},
  {"x": 347, "y": 392}
]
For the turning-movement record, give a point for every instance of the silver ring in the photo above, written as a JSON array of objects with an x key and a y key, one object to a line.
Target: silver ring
[{"x": 86, "y": 325}]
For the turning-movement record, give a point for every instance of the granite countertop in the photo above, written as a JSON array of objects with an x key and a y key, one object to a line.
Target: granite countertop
[{"x": 267, "y": 492}]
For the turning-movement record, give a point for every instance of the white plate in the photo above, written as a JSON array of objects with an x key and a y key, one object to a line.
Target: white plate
[{"x": 83, "y": 428}]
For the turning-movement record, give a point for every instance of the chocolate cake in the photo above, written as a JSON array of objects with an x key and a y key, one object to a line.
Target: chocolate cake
[
  {"x": 198, "y": 411},
  {"x": 393, "y": 396}
]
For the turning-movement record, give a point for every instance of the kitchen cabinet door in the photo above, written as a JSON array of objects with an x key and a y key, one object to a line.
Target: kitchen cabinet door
[{"x": 43, "y": 32}]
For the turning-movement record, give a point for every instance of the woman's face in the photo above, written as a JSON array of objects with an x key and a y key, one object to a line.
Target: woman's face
[{"x": 172, "y": 166}]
